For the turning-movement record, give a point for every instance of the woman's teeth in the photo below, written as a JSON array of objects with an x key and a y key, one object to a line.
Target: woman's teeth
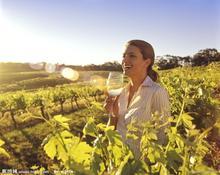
[{"x": 127, "y": 67}]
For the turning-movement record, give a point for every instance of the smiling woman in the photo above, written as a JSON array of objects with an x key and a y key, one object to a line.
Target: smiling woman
[{"x": 142, "y": 98}]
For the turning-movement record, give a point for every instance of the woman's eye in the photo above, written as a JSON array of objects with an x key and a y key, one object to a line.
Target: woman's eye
[
  {"x": 131, "y": 56},
  {"x": 128, "y": 55}
]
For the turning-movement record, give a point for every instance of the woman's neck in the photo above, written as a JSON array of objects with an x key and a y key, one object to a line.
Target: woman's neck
[{"x": 137, "y": 81}]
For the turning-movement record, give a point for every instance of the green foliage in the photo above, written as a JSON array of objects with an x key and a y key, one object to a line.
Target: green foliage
[
  {"x": 2, "y": 150},
  {"x": 62, "y": 121},
  {"x": 186, "y": 145},
  {"x": 183, "y": 154},
  {"x": 99, "y": 149},
  {"x": 195, "y": 88}
]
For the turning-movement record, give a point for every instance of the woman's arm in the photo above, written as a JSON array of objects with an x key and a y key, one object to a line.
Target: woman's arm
[
  {"x": 161, "y": 102},
  {"x": 161, "y": 105}
]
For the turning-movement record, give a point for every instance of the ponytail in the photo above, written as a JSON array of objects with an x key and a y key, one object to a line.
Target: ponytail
[{"x": 152, "y": 74}]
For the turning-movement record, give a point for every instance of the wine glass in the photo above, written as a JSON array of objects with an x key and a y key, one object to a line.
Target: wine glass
[{"x": 115, "y": 83}]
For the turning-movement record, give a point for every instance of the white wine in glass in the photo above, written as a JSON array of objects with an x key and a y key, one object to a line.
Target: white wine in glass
[{"x": 115, "y": 83}]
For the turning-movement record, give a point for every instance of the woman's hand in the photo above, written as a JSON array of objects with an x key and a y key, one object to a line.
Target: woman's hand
[{"x": 111, "y": 105}]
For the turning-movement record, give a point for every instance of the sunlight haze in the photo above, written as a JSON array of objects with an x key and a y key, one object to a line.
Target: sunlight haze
[{"x": 94, "y": 31}]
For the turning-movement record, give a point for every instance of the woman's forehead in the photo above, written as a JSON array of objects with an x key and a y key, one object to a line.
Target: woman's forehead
[{"x": 131, "y": 49}]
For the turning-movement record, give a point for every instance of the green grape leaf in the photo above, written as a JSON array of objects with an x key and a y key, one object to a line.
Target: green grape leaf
[
  {"x": 90, "y": 128},
  {"x": 62, "y": 153},
  {"x": 174, "y": 159},
  {"x": 152, "y": 136},
  {"x": 113, "y": 136},
  {"x": 3, "y": 152},
  {"x": 131, "y": 136},
  {"x": 60, "y": 118},
  {"x": 97, "y": 105},
  {"x": 50, "y": 147},
  {"x": 117, "y": 153},
  {"x": 179, "y": 141},
  {"x": 164, "y": 170},
  {"x": 125, "y": 167},
  {"x": 97, "y": 164},
  {"x": 62, "y": 121},
  {"x": 101, "y": 126},
  {"x": 187, "y": 120},
  {"x": 1, "y": 142},
  {"x": 81, "y": 153},
  {"x": 34, "y": 167},
  {"x": 186, "y": 116},
  {"x": 217, "y": 124},
  {"x": 66, "y": 141}
]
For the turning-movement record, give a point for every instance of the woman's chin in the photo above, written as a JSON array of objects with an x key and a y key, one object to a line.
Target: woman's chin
[{"x": 126, "y": 72}]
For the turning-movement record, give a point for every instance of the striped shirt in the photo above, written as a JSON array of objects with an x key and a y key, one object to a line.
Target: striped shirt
[{"x": 149, "y": 98}]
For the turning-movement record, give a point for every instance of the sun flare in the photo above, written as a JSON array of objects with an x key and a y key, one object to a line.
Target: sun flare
[{"x": 70, "y": 74}]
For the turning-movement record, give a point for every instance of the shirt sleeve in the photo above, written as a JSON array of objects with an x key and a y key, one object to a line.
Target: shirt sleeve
[
  {"x": 161, "y": 105},
  {"x": 160, "y": 102}
]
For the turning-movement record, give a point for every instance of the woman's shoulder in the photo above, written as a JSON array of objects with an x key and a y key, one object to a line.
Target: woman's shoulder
[
  {"x": 153, "y": 87},
  {"x": 157, "y": 86},
  {"x": 159, "y": 89}
]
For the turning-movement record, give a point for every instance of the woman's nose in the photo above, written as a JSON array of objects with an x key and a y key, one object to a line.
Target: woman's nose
[{"x": 125, "y": 60}]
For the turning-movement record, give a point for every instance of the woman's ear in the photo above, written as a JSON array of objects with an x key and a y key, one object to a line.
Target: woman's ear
[{"x": 147, "y": 62}]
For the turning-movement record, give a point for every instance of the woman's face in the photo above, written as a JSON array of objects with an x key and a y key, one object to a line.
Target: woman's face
[{"x": 133, "y": 63}]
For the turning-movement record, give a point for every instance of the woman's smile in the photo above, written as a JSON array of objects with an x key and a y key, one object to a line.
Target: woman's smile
[{"x": 127, "y": 67}]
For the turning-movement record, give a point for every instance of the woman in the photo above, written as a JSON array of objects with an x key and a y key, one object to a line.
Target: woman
[{"x": 142, "y": 97}]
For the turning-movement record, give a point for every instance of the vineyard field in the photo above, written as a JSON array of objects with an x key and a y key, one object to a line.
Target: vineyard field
[
  {"x": 14, "y": 81},
  {"x": 40, "y": 125}
]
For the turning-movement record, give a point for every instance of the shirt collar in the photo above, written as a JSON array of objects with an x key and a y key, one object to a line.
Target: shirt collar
[{"x": 147, "y": 82}]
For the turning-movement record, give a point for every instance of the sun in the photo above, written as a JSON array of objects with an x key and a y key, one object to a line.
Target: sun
[
  {"x": 8, "y": 35},
  {"x": 17, "y": 42}
]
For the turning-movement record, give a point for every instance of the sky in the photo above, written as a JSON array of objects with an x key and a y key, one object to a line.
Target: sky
[{"x": 81, "y": 32}]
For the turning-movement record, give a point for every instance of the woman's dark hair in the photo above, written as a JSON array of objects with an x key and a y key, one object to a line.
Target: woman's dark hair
[{"x": 148, "y": 53}]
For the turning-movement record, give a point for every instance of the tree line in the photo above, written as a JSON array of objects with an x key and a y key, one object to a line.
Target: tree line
[{"x": 201, "y": 58}]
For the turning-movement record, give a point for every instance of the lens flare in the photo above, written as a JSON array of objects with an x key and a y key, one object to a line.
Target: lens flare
[
  {"x": 70, "y": 74},
  {"x": 96, "y": 80},
  {"x": 36, "y": 66},
  {"x": 50, "y": 68}
]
